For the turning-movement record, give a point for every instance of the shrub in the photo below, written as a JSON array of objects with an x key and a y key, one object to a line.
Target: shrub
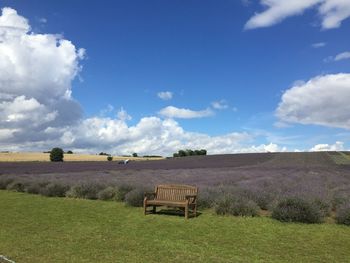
[
  {"x": 230, "y": 205},
  {"x": 109, "y": 158},
  {"x": 16, "y": 186},
  {"x": 343, "y": 215},
  {"x": 122, "y": 190},
  {"x": 323, "y": 205},
  {"x": 54, "y": 189},
  {"x": 207, "y": 198},
  {"x": 135, "y": 197},
  {"x": 134, "y": 155},
  {"x": 244, "y": 207},
  {"x": 56, "y": 155},
  {"x": 108, "y": 193},
  {"x": 223, "y": 205},
  {"x": 85, "y": 190},
  {"x": 35, "y": 187},
  {"x": 297, "y": 210},
  {"x": 5, "y": 181},
  {"x": 69, "y": 152}
]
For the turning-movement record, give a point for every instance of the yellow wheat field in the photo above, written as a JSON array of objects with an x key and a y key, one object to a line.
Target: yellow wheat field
[{"x": 45, "y": 157}]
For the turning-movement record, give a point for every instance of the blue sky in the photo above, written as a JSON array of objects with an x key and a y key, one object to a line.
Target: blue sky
[{"x": 228, "y": 65}]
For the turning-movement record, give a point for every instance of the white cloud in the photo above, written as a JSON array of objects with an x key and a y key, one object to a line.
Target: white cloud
[
  {"x": 123, "y": 115},
  {"x": 219, "y": 105},
  {"x": 342, "y": 56},
  {"x": 332, "y": 12},
  {"x": 165, "y": 95},
  {"x": 35, "y": 80},
  {"x": 338, "y": 146},
  {"x": 323, "y": 100},
  {"x": 38, "y": 112},
  {"x": 319, "y": 45},
  {"x": 174, "y": 112}
]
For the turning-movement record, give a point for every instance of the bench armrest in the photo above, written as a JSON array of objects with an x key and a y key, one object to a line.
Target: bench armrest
[
  {"x": 149, "y": 195},
  {"x": 191, "y": 198}
]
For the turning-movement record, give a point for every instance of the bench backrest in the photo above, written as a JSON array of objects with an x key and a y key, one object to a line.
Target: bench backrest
[{"x": 175, "y": 192}]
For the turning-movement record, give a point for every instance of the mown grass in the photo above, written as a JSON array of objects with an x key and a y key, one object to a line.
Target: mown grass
[{"x": 41, "y": 229}]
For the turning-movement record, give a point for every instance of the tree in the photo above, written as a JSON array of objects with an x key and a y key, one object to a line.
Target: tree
[
  {"x": 69, "y": 152},
  {"x": 56, "y": 155},
  {"x": 175, "y": 155},
  {"x": 203, "y": 152},
  {"x": 182, "y": 153},
  {"x": 134, "y": 155}
]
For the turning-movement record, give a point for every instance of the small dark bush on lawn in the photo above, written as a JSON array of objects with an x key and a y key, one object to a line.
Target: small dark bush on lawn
[
  {"x": 109, "y": 158},
  {"x": 5, "y": 181},
  {"x": 85, "y": 190},
  {"x": 230, "y": 205},
  {"x": 56, "y": 155},
  {"x": 343, "y": 215},
  {"x": 135, "y": 197},
  {"x": 122, "y": 190},
  {"x": 297, "y": 210},
  {"x": 207, "y": 198},
  {"x": 16, "y": 186},
  {"x": 244, "y": 207},
  {"x": 35, "y": 187},
  {"x": 108, "y": 193},
  {"x": 54, "y": 189}
]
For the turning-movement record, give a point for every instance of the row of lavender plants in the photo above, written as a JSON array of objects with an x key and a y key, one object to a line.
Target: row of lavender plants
[{"x": 298, "y": 203}]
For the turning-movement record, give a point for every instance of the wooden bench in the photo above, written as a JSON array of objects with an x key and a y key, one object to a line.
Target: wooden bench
[{"x": 181, "y": 196}]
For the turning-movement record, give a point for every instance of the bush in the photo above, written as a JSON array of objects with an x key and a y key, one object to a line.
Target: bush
[
  {"x": 54, "y": 189},
  {"x": 135, "y": 197},
  {"x": 35, "y": 187},
  {"x": 297, "y": 210},
  {"x": 230, "y": 205},
  {"x": 85, "y": 190},
  {"x": 5, "y": 181},
  {"x": 56, "y": 155},
  {"x": 108, "y": 193},
  {"x": 69, "y": 152},
  {"x": 16, "y": 186},
  {"x": 343, "y": 215},
  {"x": 324, "y": 206},
  {"x": 134, "y": 155},
  {"x": 207, "y": 198},
  {"x": 122, "y": 190},
  {"x": 244, "y": 207},
  {"x": 109, "y": 158}
]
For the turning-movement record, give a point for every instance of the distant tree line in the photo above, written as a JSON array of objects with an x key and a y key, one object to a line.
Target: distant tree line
[{"x": 189, "y": 152}]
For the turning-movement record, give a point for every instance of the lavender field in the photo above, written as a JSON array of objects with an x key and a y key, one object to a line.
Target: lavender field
[{"x": 315, "y": 174}]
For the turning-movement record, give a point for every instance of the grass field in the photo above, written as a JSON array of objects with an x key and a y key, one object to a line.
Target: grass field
[
  {"x": 41, "y": 229},
  {"x": 45, "y": 157}
]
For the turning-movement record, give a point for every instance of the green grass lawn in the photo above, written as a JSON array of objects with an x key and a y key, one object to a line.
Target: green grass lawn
[{"x": 40, "y": 229}]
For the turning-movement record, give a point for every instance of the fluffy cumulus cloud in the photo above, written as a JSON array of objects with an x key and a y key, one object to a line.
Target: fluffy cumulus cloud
[
  {"x": 180, "y": 113},
  {"x": 38, "y": 111},
  {"x": 153, "y": 135},
  {"x": 165, "y": 95},
  {"x": 323, "y": 100},
  {"x": 36, "y": 71},
  {"x": 338, "y": 146},
  {"x": 332, "y": 12}
]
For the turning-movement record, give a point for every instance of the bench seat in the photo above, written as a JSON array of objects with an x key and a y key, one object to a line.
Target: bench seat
[{"x": 181, "y": 196}]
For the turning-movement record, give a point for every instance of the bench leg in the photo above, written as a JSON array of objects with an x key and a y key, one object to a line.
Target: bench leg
[
  {"x": 195, "y": 211},
  {"x": 154, "y": 209},
  {"x": 186, "y": 211}
]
